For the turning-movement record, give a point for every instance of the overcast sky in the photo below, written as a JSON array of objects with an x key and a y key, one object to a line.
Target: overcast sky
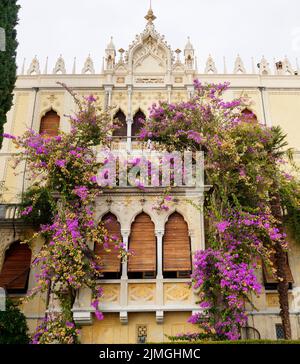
[{"x": 220, "y": 27}]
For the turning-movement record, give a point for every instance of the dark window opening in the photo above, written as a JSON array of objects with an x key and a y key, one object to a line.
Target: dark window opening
[
  {"x": 137, "y": 125},
  {"x": 120, "y": 121}
]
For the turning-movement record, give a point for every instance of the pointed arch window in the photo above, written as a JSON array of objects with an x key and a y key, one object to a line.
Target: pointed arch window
[
  {"x": 137, "y": 123},
  {"x": 111, "y": 261},
  {"x": 176, "y": 248},
  {"x": 120, "y": 119},
  {"x": 15, "y": 271},
  {"x": 50, "y": 124},
  {"x": 143, "y": 243},
  {"x": 249, "y": 116}
]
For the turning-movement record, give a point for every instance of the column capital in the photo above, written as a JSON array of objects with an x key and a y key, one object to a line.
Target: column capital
[
  {"x": 125, "y": 233},
  {"x": 159, "y": 233}
]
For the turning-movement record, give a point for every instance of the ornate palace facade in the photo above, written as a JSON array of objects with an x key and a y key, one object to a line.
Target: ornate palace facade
[{"x": 144, "y": 299}]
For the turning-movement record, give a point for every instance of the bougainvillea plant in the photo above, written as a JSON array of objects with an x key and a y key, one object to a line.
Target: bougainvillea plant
[
  {"x": 66, "y": 167},
  {"x": 245, "y": 165}
]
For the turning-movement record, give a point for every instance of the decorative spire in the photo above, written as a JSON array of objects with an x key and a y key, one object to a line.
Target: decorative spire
[
  {"x": 46, "y": 66},
  {"x": 23, "y": 67},
  {"x": 74, "y": 66},
  {"x": 225, "y": 65},
  {"x": 253, "y": 66},
  {"x": 150, "y": 17},
  {"x": 111, "y": 45},
  {"x": 189, "y": 45}
]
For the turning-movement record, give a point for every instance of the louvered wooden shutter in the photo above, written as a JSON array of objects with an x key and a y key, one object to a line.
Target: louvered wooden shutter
[
  {"x": 268, "y": 274},
  {"x": 143, "y": 243},
  {"x": 16, "y": 268},
  {"x": 111, "y": 261},
  {"x": 50, "y": 124},
  {"x": 176, "y": 245}
]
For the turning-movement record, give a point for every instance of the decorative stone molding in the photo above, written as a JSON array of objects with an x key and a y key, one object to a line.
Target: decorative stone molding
[
  {"x": 159, "y": 317},
  {"x": 83, "y": 318},
  {"x": 124, "y": 317}
]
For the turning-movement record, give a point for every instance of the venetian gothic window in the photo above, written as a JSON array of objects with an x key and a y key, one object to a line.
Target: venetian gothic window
[
  {"x": 15, "y": 271},
  {"x": 137, "y": 125},
  {"x": 176, "y": 248},
  {"x": 249, "y": 116},
  {"x": 120, "y": 119},
  {"x": 50, "y": 124},
  {"x": 143, "y": 243},
  {"x": 110, "y": 259}
]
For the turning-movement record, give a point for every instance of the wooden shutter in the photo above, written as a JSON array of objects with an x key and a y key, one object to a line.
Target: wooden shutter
[
  {"x": 121, "y": 119},
  {"x": 16, "y": 268},
  {"x": 176, "y": 245},
  {"x": 50, "y": 124},
  {"x": 111, "y": 261},
  {"x": 143, "y": 243},
  {"x": 269, "y": 276},
  {"x": 137, "y": 123}
]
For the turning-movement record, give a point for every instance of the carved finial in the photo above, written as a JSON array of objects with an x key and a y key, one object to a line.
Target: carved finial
[
  {"x": 225, "y": 65},
  {"x": 121, "y": 51},
  {"x": 23, "y": 67},
  {"x": 88, "y": 66},
  {"x": 239, "y": 65},
  {"x": 111, "y": 45},
  {"x": 46, "y": 66},
  {"x": 60, "y": 66},
  {"x": 178, "y": 51},
  {"x": 150, "y": 17},
  {"x": 74, "y": 66},
  {"x": 189, "y": 45},
  {"x": 34, "y": 68},
  {"x": 210, "y": 65},
  {"x": 253, "y": 65}
]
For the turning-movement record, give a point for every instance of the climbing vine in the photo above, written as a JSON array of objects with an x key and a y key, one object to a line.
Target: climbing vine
[{"x": 245, "y": 165}]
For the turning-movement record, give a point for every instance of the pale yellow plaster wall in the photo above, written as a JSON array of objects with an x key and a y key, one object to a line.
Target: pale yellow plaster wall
[
  {"x": 285, "y": 111},
  {"x": 111, "y": 331}
]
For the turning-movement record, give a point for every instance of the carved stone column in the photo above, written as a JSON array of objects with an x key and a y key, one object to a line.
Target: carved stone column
[{"x": 124, "y": 282}]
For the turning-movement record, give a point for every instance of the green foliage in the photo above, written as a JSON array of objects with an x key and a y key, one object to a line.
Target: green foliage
[
  {"x": 13, "y": 327},
  {"x": 290, "y": 200},
  {"x": 8, "y": 20},
  {"x": 42, "y": 203}
]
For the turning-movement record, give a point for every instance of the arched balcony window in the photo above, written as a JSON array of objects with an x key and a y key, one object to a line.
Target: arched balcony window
[
  {"x": 120, "y": 119},
  {"x": 137, "y": 123},
  {"x": 50, "y": 124},
  {"x": 249, "y": 116},
  {"x": 143, "y": 243},
  {"x": 15, "y": 271},
  {"x": 176, "y": 248},
  {"x": 110, "y": 259}
]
